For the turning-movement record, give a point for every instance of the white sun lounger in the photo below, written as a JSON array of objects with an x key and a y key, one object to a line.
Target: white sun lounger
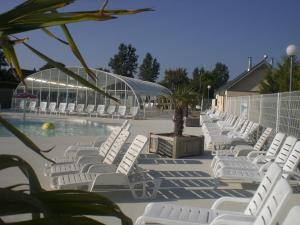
[
  {"x": 273, "y": 211},
  {"x": 32, "y": 105},
  {"x": 99, "y": 140},
  {"x": 237, "y": 149},
  {"x": 108, "y": 159},
  {"x": 292, "y": 217},
  {"x": 164, "y": 213},
  {"x": 289, "y": 167},
  {"x": 71, "y": 108},
  {"x": 133, "y": 112},
  {"x": 61, "y": 108},
  {"x": 122, "y": 175},
  {"x": 88, "y": 111},
  {"x": 110, "y": 110},
  {"x": 52, "y": 107},
  {"x": 271, "y": 151},
  {"x": 72, "y": 153},
  {"x": 121, "y": 111},
  {"x": 261, "y": 161},
  {"x": 100, "y": 111},
  {"x": 43, "y": 107}
]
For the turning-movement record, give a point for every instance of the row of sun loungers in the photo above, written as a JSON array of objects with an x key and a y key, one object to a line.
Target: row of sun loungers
[
  {"x": 79, "y": 109},
  {"x": 274, "y": 169},
  {"x": 101, "y": 164},
  {"x": 88, "y": 167}
]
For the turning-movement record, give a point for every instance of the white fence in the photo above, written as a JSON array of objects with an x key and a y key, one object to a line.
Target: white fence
[{"x": 281, "y": 111}]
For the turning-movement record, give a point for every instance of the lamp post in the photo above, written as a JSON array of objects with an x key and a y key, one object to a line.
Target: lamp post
[
  {"x": 208, "y": 88},
  {"x": 291, "y": 51}
]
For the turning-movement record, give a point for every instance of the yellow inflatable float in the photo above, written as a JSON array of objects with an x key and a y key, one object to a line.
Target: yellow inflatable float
[{"x": 48, "y": 126}]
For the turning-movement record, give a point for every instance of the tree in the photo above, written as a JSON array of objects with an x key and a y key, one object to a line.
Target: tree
[
  {"x": 278, "y": 79},
  {"x": 175, "y": 78},
  {"x": 220, "y": 75},
  {"x": 3, "y": 62},
  {"x": 149, "y": 69},
  {"x": 182, "y": 97},
  {"x": 125, "y": 61}
]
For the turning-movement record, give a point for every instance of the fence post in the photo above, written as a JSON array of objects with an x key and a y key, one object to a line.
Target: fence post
[
  {"x": 260, "y": 109},
  {"x": 278, "y": 112},
  {"x": 249, "y": 107}
]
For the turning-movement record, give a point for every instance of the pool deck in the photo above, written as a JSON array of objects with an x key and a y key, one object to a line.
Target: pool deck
[{"x": 188, "y": 183}]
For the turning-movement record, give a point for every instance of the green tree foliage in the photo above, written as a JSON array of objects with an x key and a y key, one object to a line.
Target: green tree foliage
[
  {"x": 278, "y": 79},
  {"x": 125, "y": 61},
  {"x": 215, "y": 78},
  {"x": 175, "y": 78},
  {"x": 220, "y": 75},
  {"x": 149, "y": 69}
]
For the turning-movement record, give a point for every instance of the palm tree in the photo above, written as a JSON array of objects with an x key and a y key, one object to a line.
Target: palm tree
[{"x": 182, "y": 97}]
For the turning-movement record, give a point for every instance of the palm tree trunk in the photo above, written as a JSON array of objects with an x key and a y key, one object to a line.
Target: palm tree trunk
[{"x": 178, "y": 121}]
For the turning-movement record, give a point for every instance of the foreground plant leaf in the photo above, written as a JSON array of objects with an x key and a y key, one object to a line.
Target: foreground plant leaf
[
  {"x": 77, "y": 53},
  {"x": 11, "y": 56},
  {"x": 48, "y": 32},
  {"x": 69, "y": 72},
  {"x": 8, "y": 161},
  {"x": 37, "y": 21},
  {"x": 23, "y": 138},
  {"x": 30, "y": 7}
]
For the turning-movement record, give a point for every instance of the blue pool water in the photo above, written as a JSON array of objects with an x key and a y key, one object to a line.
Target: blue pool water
[{"x": 63, "y": 127}]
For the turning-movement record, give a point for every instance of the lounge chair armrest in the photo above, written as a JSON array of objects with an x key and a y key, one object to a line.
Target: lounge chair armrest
[
  {"x": 255, "y": 153},
  {"x": 222, "y": 200},
  {"x": 102, "y": 168},
  {"x": 233, "y": 220},
  {"x": 87, "y": 152},
  {"x": 90, "y": 159}
]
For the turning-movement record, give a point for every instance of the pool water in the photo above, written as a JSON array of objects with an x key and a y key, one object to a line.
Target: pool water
[{"x": 63, "y": 127}]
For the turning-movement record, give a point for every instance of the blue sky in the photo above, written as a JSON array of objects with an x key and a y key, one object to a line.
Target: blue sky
[{"x": 180, "y": 33}]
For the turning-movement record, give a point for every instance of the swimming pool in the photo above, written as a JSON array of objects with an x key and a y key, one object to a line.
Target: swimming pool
[{"x": 63, "y": 127}]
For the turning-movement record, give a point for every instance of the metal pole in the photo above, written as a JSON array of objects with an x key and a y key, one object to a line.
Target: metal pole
[{"x": 291, "y": 73}]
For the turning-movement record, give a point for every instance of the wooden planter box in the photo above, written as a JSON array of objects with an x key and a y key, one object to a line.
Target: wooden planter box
[{"x": 176, "y": 147}]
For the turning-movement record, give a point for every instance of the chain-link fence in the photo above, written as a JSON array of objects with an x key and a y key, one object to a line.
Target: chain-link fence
[{"x": 281, "y": 111}]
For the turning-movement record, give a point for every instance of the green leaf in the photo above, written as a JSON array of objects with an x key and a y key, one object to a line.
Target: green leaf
[
  {"x": 30, "y": 7},
  {"x": 11, "y": 56},
  {"x": 37, "y": 21},
  {"x": 23, "y": 138},
  {"x": 69, "y": 72},
  {"x": 76, "y": 52},
  {"x": 8, "y": 161},
  {"x": 78, "y": 220},
  {"x": 54, "y": 36}
]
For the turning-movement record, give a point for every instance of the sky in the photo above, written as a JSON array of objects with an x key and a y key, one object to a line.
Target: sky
[{"x": 179, "y": 33}]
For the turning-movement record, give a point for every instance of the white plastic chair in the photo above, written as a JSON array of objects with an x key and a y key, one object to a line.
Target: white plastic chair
[
  {"x": 100, "y": 111},
  {"x": 235, "y": 150},
  {"x": 43, "y": 107},
  {"x": 133, "y": 112},
  {"x": 121, "y": 111},
  {"x": 110, "y": 110},
  {"x": 165, "y": 213},
  {"x": 261, "y": 161},
  {"x": 71, "y": 107},
  {"x": 289, "y": 168},
  {"x": 104, "y": 157},
  {"x": 52, "y": 107},
  {"x": 99, "y": 175}
]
